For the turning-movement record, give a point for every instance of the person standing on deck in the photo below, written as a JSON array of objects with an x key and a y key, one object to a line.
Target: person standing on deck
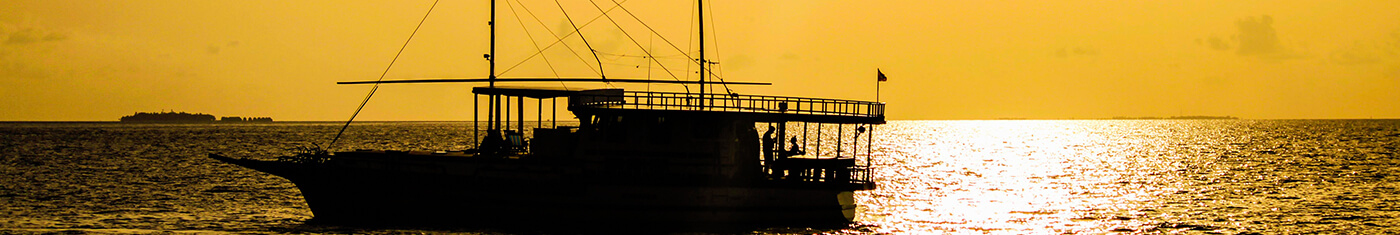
[{"x": 768, "y": 143}]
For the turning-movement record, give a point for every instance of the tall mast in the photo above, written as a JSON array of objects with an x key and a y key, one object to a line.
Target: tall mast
[
  {"x": 492, "y": 57},
  {"x": 495, "y": 99},
  {"x": 701, "y": 5}
]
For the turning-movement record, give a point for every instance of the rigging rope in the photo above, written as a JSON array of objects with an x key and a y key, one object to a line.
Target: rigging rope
[
  {"x": 676, "y": 56},
  {"x": 634, "y": 40},
  {"x": 713, "y": 25},
  {"x": 653, "y": 31},
  {"x": 556, "y": 42},
  {"x": 689, "y": 40},
  {"x": 639, "y": 66},
  {"x": 716, "y": 36},
  {"x": 532, "y": 40},
  {"x": 382, "y": 75},
  {"x": 585, "y": 40}
]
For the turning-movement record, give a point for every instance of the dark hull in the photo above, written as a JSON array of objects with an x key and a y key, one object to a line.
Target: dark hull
[{"x": 355, "y": 195}]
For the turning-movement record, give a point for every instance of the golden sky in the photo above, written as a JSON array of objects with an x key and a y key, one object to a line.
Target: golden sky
[{"x": 99, "y": 60}]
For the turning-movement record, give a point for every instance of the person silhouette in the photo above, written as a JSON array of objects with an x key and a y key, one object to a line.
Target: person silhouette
[
  {"x": 768, "y": 142},
  {"x": 795, "y": 150}
]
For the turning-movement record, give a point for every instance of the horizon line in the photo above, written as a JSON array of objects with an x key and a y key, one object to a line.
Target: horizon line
[{"x": 574, "y": 120}]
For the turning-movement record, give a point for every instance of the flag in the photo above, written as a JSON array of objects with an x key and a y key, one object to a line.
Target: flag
[{"x": 880, "y": 75}]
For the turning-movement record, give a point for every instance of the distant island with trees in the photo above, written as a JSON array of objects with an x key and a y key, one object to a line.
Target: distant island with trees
[{"x": 183, "y": 117}]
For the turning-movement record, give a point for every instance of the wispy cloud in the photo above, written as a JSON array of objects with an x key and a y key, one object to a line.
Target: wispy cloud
[
  {"x": 14, "y": 34},
  {"x": 1384, "y": 52},
  {"x": 1076, "y": 51},
  {"x": 1256, "y": 37},
  {"x": 1215, "y": 43}
]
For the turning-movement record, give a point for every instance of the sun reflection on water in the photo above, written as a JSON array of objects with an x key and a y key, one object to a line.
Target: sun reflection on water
[{"x": 1014, "y": 176}]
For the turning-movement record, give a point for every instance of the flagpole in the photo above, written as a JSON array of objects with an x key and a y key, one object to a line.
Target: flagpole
[{"x": 879, "y": 77}]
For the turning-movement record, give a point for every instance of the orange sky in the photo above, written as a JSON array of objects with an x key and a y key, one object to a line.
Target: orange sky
[{"x": 99, "y": 60}]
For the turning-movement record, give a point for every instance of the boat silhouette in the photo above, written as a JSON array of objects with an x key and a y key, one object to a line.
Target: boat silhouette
[{"x": 641, "y": 157}]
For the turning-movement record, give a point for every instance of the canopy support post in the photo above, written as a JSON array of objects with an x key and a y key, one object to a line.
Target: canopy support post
[
  {"x": 539, "y": 113},
  {"x": 839, "y": 135},
  {"x": 554, "y": 113},
  {"x": 520, "y": 114},
  {"x": 476, "y": 126}
]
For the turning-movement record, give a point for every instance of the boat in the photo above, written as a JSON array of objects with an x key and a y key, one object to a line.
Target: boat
[{"x": 637, "y": 157}]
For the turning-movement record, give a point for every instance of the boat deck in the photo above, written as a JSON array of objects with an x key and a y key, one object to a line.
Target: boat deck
[
  {"x": 761, "y": 107},
  {"x": 777, "y": 108}
]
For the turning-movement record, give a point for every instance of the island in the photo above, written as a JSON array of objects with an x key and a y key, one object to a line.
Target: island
[{"x": 183, "y": 117}]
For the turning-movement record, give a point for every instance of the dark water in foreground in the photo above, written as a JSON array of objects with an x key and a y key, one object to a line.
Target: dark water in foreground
[{"x": 970, "y": 177}]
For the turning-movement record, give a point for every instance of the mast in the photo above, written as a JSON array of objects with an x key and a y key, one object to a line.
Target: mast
[
  {"x": 491, "y": 57},
  {"x": 495, "y": 99},
  {"x": 700, "y": 4}
]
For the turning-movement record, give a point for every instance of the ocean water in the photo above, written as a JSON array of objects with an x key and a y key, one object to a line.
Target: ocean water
[{"x": 940, "y": 177}]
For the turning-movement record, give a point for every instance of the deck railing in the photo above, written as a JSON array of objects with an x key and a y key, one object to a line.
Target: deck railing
[
  {"x": 857, "y": 175},
  {"x": 729, "y": 103}
]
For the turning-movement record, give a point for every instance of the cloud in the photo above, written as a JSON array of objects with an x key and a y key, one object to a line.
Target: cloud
[
  {"x": 1363, "y": 52},
  {"x": 17, "y": 58},
  {"x": 29, "y": 35},
  {"x": 1384, "y": 52},
  {"x": 214, "y": 49},
  {"x": 1357, "y": 53},
  {"x": 1076, "y": 51},
  {"x": 1218, "y": 44},
  {"x": 1257, "y": 36}
]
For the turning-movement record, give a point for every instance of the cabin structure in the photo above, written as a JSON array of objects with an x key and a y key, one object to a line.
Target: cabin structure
[{"x": 677, "y": 137}]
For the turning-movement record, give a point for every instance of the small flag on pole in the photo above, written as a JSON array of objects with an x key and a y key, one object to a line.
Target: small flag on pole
[{"x": 880, "y": 75}]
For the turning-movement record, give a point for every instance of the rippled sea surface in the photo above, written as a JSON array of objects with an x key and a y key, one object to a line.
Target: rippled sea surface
[{"x": 954, "y": 177}]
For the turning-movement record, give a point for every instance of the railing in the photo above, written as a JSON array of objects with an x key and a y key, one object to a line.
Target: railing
[
  {"x": 860, "y": 175},
  {"x": 833, "y": 171},
  {"x": 729, "y": 103},
  {"x": 857, "y": 175}
]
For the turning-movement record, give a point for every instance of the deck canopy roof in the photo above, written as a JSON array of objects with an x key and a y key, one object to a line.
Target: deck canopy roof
[
  {"x": 749, "y": 115},
  {"x": 532, "y": 92},
  {"x": 756, "y": 107}
]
